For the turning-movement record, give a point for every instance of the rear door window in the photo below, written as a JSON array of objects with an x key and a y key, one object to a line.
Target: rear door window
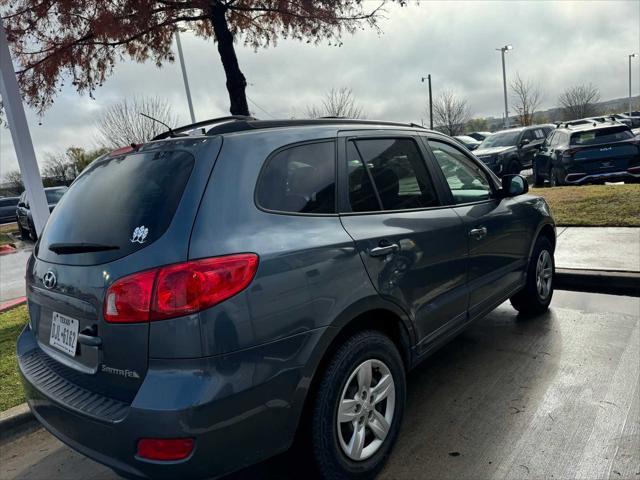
[
  {"x": 299, "y": 179},
  {"x": 124, "y": 202},
  {"x": 388, "y": 174}
]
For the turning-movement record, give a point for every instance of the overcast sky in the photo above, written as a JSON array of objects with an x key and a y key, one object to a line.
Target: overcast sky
[{"x": 558, "y": 44}]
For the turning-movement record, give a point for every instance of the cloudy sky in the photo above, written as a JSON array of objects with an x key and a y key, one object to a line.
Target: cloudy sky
[{"x": 558, "y": 44}]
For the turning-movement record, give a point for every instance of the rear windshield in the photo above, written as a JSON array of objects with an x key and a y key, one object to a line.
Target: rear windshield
[
  {"x": 124, "y": 203},
  {"x": 603, "y": 135}
]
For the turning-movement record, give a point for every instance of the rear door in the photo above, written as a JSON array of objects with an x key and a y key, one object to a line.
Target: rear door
[
  {"x": 122, "y": 215},
  {"x": 414, "y": 248},
  {"x": 496, "y": 232}
]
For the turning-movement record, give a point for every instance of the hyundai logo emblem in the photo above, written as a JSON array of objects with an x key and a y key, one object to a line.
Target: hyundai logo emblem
[{"x": 49, "y": 279}]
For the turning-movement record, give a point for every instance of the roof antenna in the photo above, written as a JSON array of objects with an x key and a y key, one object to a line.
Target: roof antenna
[{"x": 160, "y": 122}]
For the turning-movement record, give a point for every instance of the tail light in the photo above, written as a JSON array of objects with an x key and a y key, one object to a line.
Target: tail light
[
  {"x": 180, "y": 289},
  {"x": 570, "y": 152},
  {"x": 165, "y": 449}
]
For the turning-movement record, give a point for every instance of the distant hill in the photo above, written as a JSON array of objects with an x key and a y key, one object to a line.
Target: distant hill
[{"x": 617, "y": 105}]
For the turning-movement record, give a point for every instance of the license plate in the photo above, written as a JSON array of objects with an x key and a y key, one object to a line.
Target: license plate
[{"x": 64, "y": 333}]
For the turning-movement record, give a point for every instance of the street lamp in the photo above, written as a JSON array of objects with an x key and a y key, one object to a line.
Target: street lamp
[
  {"x": 184, "y": 76},
  {"x": 633, "y": 55},
  {"x": 504, "y": 80},
  {"x": 428, "y": 77}
]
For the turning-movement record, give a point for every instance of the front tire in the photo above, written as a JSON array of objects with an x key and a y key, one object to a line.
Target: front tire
[
  {"x": 358, "y": 408},
  {"x": 535, "y": 297}
]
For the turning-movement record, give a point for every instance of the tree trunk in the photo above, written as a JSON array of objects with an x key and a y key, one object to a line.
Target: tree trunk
[{"x": 236, "y": 83}]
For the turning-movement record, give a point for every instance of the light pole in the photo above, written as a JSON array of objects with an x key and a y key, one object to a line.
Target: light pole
[
  {"x": 504, "y": 80},
  {"x": 184, "y": 76},
  {"x": 428, "y": 77},
  {"x": 633, "y": 55}
]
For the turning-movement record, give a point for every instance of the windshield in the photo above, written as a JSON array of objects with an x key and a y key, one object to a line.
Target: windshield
[
  {"x": 124, "y": 202},
  {"x": 500, "y": 139},
  {"x": 54, "y": 196}
]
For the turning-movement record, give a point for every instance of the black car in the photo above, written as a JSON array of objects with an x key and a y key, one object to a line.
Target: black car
[
  {"x": 588, "y": 153},
  {"x": 469, "y": 142},
  {"x": 23, "y": 211},
  {"x": 8, "y": 209},
  {"x": 509, "y": 151}
]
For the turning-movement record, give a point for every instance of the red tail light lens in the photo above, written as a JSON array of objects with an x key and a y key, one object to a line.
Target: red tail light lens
[
  {"x": 129, "y": 298},
  {"x": 179, "y": 289},
  {"x": 193, "y": 286},
  {"x": 165, "y": 449}
]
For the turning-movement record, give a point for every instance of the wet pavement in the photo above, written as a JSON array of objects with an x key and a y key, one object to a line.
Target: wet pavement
[{"x": 556, "y": 396}]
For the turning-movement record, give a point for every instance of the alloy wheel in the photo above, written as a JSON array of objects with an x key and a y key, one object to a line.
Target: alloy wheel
[
  {"x": 366, "y": 409},
  {"x": 544, "y": 274}
]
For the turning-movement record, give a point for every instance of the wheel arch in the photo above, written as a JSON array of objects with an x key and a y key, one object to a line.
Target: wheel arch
[{"x": 547, "y": 230}]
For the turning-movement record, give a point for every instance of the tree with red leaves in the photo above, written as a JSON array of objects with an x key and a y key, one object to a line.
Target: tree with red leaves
[{"x": 81, "y": 41}]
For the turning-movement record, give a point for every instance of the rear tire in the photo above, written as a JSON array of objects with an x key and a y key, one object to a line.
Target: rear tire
[
  {"x": 24, "y": 234},
  {"x": 554, "y": 179},
  {"x": 366, "y": 378},
  {"x": 537, "y": 293},
  {"x": 538, "y": 181}
]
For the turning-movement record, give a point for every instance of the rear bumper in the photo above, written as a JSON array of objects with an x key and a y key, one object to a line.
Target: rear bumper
[
  {"x": 240, "y": 408},
  {"x": 580, "y": 178}
]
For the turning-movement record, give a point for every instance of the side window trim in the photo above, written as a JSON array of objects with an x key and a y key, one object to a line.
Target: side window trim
[
  {"x": 288, "y": 146},
  {"x": 366, "y": 169}
]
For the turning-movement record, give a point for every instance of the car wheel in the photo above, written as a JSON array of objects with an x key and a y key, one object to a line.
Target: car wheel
[
  {"x": 32, "y": 233},
  {"x": 514, "y": 167},
  {"x": 358, "y": 408},
  {"x": 538, "y": 181},
  {"x": 536, "y": 296},
  {"x": 554, "y": 179},
  {"x": 24, "y": 234}
]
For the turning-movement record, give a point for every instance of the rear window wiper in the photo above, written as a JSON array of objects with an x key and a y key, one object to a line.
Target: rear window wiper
[{"x": 65, "y": 248}]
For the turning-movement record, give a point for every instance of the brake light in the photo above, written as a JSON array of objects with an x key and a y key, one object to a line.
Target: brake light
[
  {"x": 165, "y": 449},
  {"x": 179, "y": 289}
]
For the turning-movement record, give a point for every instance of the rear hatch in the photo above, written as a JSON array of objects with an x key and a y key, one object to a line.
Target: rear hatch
[
  {"x": 603, "y": 150},
  {"x": 124, "y": 214}
]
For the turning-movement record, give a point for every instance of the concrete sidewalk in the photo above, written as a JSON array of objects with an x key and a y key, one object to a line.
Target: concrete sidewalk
[
  {"x": 598, "y": 248},
  {"x": 596, "y": 259}
]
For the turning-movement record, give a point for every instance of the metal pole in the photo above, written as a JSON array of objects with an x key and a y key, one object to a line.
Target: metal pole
[
  {"x": 22, "y": 143},
  {"x": 504, "y": 80},
  {"x": 430, "y": 104},
  {"x": 184, "y": 76},
  {"x": 630, "y": 57}
]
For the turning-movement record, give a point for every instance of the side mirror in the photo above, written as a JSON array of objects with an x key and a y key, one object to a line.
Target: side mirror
[
  {"x": 513, "y": 185},
  {"x": 22, "y": 204},
  {"x": 524, "y": 142}
]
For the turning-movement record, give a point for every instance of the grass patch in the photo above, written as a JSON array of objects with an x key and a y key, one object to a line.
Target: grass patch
[
  {"x": 11, "y": 324},
  {"x": 5, "y": 230},
  {"x": 594, "y": 205}
]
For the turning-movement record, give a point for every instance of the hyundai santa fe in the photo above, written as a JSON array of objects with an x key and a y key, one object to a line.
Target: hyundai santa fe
[{"x": 200, "y": 302}]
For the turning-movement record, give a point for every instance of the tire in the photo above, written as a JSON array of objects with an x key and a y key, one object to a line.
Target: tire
[
  {"x": 538, "y": 181},
  {"x": 514, "y": 167},
  {"x": 33, "y": 236},
  {"x": 24, "y": 234},
  {"x": 554, "y": 181},
  {"x": 535, "y": 297},
  {"x": 366, "y": 351}
]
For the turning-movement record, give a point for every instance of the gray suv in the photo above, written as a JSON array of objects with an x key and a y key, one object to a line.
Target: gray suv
[{"x": 200, "y": 302}]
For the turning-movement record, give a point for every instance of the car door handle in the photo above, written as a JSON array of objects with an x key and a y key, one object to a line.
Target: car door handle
[
  {"x": 384, "y": 250},
  {"x": 478, "y": 233}
]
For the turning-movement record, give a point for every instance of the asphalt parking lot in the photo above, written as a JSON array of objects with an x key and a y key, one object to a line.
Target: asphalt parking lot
[{"x": 556, "y": 396}]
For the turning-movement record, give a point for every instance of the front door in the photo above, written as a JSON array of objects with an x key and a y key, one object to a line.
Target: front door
[
  {"x": 414, "y": 248},
  {"x": 497, "y": 236}
]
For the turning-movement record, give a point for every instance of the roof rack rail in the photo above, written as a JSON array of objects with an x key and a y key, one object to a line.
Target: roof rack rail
[{"x": 204, "y": 123}]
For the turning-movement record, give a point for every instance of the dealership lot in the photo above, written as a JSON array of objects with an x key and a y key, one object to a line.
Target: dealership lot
[{"x": 556, "y": 397}]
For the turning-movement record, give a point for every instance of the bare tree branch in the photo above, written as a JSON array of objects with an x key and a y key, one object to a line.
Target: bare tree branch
[
  {"x": 579, "y": 101},
  {"x": 450, "y": 113},
  {"x": 121, "y": 124},
  {"x": 337, "y": 102},
  {"x": 528, "y": 97}
]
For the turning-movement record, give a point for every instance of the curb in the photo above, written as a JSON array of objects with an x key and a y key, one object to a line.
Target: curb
[
  {"x": 15, "y": 420},
  {"x": 598, "y": 281},
  {"x": 9, "y": 304}
]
